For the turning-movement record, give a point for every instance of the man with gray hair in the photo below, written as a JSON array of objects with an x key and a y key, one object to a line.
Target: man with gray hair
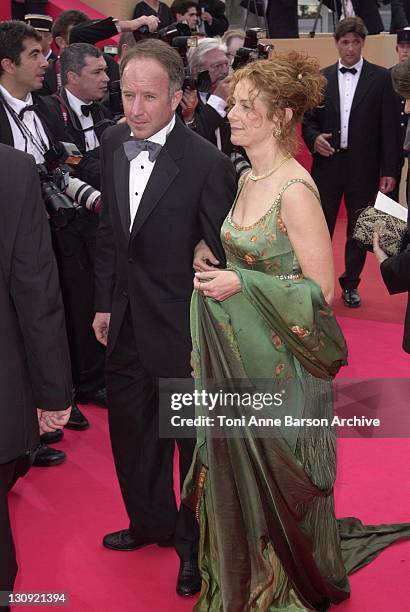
[{"x": 164, "y": 189}]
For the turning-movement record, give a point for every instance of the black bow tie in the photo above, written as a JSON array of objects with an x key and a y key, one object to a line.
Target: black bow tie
[
  {"x": 134, "y": 147},
  {"x": 343, "y": 70},
  {"x": 86, "y": 109},
  {"x": 30, "y": 107}
]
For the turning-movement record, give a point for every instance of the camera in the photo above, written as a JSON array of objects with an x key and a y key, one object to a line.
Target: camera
[
  {"x": 165, "y": 34},
  {"x": 252, "y": 49},
  {"x": 63, "y": 195}
]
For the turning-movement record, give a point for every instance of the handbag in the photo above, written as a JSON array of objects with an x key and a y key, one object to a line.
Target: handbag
[{"x": 392, "y": 231}]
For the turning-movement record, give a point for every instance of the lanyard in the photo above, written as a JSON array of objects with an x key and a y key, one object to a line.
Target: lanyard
[{"x": 37, "y": 141}]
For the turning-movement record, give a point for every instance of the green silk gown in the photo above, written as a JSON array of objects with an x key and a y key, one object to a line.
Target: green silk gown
[{"x": 269, "y": 537}]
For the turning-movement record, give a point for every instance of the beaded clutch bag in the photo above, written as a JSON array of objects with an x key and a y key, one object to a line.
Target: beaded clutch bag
[{"x": 392, "y": 231}]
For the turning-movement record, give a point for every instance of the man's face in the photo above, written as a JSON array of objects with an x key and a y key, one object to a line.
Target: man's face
[
  {"x": 148, "y": 104},
  {"x": 29, "y": 74},
  {"x": 217, "y": 64},
  {"x": 191, "y": 17},
  {"x": 350, "y": 49},
  {"x": 91, "y": 83},
  {"x": 403, "y": 51}
]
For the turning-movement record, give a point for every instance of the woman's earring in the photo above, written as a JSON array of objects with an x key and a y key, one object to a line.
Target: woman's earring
[{"x": 276, "y": 132}]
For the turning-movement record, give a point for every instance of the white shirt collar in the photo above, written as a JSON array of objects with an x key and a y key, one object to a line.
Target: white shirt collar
[
  {"x": 358, "y": 66},
  {"x": 15, "y": 103},
  {"x": 161, "y": 136},
  {"x": 75, "y": 103}
]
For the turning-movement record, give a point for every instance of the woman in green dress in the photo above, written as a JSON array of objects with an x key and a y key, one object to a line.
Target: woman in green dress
[{"x": 269, "y": 536}]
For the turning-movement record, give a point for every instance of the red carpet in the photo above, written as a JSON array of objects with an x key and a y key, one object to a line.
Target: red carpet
[{"x": 60, "y": 514}]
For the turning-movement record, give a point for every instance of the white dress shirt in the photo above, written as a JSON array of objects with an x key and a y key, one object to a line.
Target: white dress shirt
[
  {"x": 347, "y": 87},
  {"x": 141, "y": 168},
  {"x": 219, "y": 105},
  {"x": 33, "y": 124},
  {"x": 91, "y": 140}
]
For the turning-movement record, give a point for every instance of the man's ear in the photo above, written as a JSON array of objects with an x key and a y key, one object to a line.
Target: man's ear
[
  {"x": 60, "y": 42},
  {"x": 176, "y": 99},
  {"x": 7, "y": 65}
]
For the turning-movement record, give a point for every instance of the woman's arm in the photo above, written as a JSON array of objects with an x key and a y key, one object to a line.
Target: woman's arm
[{"x": 305, "y": 222}]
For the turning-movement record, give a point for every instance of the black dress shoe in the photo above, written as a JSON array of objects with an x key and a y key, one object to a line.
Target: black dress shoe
[
  {"x": 189, "y": 579},
  {"x": 52, "y": 437},
  {"x": 77, "y": 420},
  {"x": 99, "y": 398},
  {"x": 351, "y": 298},
  {"x": 124, "y": 540},
  {"x": 46, "y": 456}
]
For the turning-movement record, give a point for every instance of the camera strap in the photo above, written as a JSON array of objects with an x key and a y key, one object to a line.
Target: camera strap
[{"x": 37, "y": 141}]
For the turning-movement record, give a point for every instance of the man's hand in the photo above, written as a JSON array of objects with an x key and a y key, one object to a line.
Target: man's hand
[
  {"x": 222, "y": 89},
  {"x": 51, "y": 420},
  {"x": 322, "y": 146},
  {"x": 135, "y": 24},
  {"x": 218, "y": 284},
  {"x": 205, "y": 16},
  {"x": 204, "y": 259},
  {"x": 387, "y": 184},
  {"x": 380, "y": 254},
  {"x": 101, "y": 325},
  {"x": 189, "y": 103}
]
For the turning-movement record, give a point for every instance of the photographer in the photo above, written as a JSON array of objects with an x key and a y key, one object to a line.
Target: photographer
[
  {"x": 74, "y": 26},
  {"x": 186, "y": 11},
  {"x": 213, "y": 18},
  {"x": 205, "y": 111}
]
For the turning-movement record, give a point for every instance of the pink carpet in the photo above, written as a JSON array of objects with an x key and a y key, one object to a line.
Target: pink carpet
[{"x": 60, "y": 514}]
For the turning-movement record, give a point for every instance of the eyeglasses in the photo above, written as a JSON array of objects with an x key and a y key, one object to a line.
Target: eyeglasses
[{"x": 219, "y": 66}]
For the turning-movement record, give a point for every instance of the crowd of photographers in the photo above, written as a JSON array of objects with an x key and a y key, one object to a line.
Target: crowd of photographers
[{"x": 58, "y": 93}]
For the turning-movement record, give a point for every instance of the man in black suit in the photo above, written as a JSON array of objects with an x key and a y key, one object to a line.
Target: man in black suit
[
  {"x": 353, "y": 140},
  {"x": 214, "y": 20},
  {"x": 282, "y": 17},
  {"x": 77, "y": 108},
  {"x": 163, "y": 191},
  {"x": 34, "y": 361},
  {"x": 400, "y": 15},
  {"x": 367, "y": 10}
]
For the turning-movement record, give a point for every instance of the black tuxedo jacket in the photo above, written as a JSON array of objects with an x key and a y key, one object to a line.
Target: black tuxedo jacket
[
  {"x": 367, "y": 10},
  {"x": 189, "y": 193},
  {"x": 282, "y": 16},
  {"x": 374, "y": 149},
  {"x": 88, "y": 169},
  {"x": 34, "y": 360},
  {"x": 220, "y": 23},
  {"x": 208, "y": 120}
]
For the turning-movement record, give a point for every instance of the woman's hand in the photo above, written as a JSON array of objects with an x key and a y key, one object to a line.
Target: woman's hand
[
  {"x": 217, "y": 284},
  {"x": 380, "y": 254},
  {"x": 204, "y": 259}
]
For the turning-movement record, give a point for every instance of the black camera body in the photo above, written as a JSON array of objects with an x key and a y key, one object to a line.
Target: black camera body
[{"x": 253, "y": 49}]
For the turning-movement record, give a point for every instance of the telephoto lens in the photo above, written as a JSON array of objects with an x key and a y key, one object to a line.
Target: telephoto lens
[{"x": 84, "y": 195}]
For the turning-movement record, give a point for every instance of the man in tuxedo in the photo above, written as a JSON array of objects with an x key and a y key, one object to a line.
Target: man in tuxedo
[
  {"x": 353, "y": 139},
  {"x": 34, "y": 361},
  {"x": 164, "y": 189},
  {"x": 282, "y": 17},
  {"x": 367, "y": 10},
  {"x": 79, "y": 110}
]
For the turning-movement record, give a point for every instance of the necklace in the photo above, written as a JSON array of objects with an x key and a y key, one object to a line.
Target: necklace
[{"x": 255, "y": 177}]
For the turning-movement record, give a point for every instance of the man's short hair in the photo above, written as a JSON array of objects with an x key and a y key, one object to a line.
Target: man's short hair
[
  {"x": 182, "y": 6},
  {"x": 400, "y": 74},
  {"x": 12, "y": 37},
  {"x": 196, "y": 54},
  {"x": 73, "y": 58},
  {"x": 65, "y": 20},
  {"x": 162, "y": 53},
  {"x": 126, "y": 38},
  {"x": 350, "y": 25}
]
